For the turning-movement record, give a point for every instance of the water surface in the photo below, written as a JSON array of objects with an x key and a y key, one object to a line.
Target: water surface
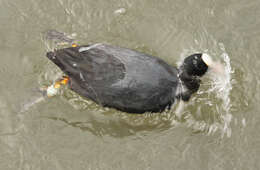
[{"x": 219, "y": 128}]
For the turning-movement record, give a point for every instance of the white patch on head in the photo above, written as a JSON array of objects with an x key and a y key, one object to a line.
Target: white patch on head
[
  {"x": 74, "y": 65},
  {"x": 207, "y": 59}
]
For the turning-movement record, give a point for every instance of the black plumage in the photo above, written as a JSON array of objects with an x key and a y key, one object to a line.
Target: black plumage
[{"x": 128, "y": 80}]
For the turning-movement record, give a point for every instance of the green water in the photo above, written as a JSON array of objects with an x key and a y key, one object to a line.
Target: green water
[{"x": 219, "y": 128}]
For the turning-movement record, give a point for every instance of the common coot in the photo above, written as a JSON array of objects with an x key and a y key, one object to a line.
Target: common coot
[{"x": 128, "y": 80}]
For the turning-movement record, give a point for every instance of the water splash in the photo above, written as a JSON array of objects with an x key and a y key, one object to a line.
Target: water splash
[
  {"x": 28, "y": 104},
  {"x": 220, "y": 88}
]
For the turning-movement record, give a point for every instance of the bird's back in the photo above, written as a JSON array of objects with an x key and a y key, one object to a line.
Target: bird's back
[{"x": 118, "y": 77}]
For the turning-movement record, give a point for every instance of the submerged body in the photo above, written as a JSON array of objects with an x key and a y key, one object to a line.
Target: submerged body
[{"x": 122, "y": 78}]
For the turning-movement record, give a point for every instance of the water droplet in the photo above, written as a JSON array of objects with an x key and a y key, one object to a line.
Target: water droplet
[
  {"x": 244, "y": 122},
  {"x": 120, "y": 11}
]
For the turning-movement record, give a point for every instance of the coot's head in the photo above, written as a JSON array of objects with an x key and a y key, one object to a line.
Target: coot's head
[
  {"x": 197, "y": 64},
  {"x": 193, "y": 67}
]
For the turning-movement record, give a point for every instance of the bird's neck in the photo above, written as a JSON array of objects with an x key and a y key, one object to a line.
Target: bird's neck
[{"x": 187, "y": 85}]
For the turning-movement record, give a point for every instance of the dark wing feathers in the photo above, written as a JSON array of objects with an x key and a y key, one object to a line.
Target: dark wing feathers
[
  {"x": 94, "y": 66},
  {"x": 117, "y": 77}
]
